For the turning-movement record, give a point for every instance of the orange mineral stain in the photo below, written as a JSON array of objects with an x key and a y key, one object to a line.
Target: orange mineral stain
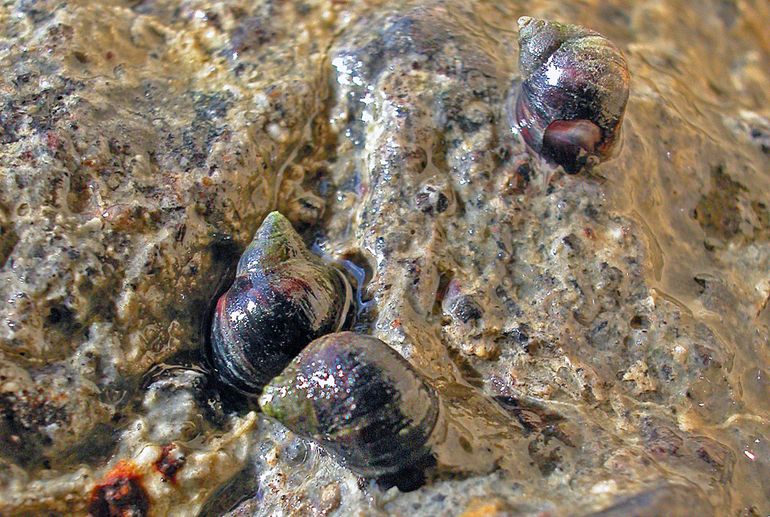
[{"x": 120, "y": 494}]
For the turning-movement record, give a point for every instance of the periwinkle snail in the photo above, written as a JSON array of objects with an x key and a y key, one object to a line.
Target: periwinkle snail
[
  {"x": 575, "y": 87},
  {"x": 282, "y": 298},
  {"x": 359, "y": 399}
]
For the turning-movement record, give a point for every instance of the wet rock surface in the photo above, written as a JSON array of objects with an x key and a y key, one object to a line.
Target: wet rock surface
[{"x": 598, "y": 342}]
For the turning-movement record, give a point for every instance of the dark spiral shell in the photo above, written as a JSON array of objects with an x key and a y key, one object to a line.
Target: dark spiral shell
[
  {"x": 575, "y": 87},
  {"x": 359, "y": 399},
  {"x": 282, "y": 298}
]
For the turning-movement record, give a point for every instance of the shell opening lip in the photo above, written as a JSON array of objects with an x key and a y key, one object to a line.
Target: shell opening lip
[
  {"x": 345, "y": 312},
  {"x": 569, "y": 143}
]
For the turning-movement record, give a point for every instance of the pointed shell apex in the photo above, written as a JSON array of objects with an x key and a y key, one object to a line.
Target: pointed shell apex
[{"x": 524, "y": 21}]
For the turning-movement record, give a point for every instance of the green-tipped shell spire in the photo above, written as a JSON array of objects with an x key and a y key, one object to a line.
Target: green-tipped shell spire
[{"x": 275, "y": 242}]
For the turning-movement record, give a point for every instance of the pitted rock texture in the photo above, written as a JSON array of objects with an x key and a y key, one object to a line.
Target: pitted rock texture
[{"x": 599, "y": 342}]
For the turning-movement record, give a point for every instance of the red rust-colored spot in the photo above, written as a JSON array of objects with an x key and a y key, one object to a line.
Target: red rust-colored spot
[
  {"x": 289, "y": 286},
  {"x": 52, "y": 140},
  {"x": 109, "y": 54},
  {"x": 171, "y": 460},
  {"x": 120, "y": 494}
]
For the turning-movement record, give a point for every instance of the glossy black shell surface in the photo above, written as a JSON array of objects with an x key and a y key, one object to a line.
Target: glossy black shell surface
[
  {"x": 282, "y": 298},
  {"x": 574, "y": 92},
  {"x": 359, "y": 399}
]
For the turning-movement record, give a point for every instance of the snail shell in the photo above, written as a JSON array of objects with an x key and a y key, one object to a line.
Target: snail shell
[
  {"x": 282, "y": 298},
  {"x": 359, "y": 399},
  {"x": 575, "y": 86}
]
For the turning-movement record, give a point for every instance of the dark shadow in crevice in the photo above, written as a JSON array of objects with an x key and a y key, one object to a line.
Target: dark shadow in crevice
[
  {"x": 410, "y": 478},
  {"x": 242, "y": 486}
]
